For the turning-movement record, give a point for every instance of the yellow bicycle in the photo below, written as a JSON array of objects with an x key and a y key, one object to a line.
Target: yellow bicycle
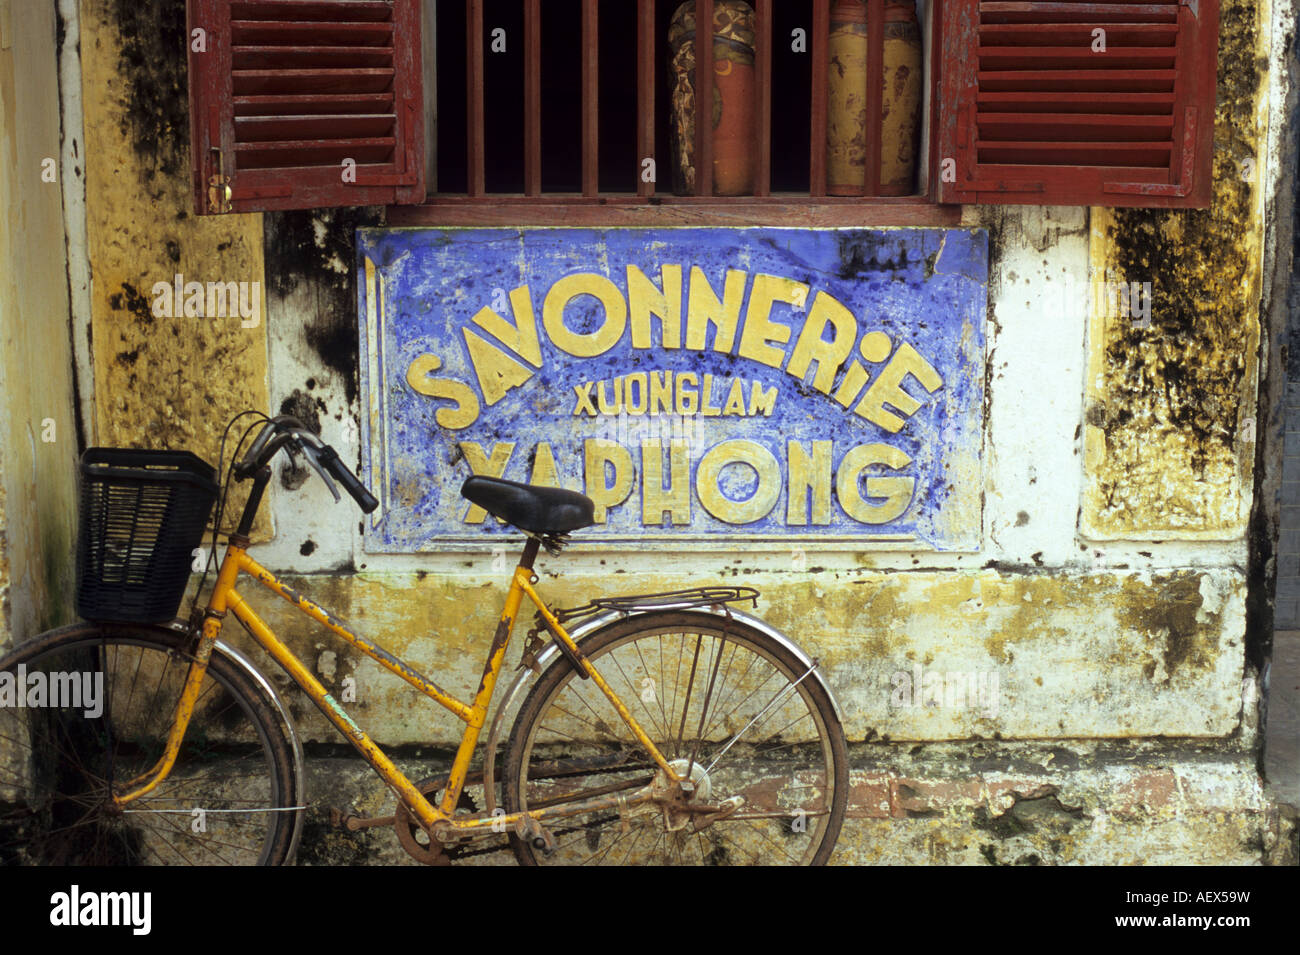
[{"x": 663, "y": 728}]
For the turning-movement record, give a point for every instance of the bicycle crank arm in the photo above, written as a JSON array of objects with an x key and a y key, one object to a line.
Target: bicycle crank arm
[{"x": 341, "y": 820}]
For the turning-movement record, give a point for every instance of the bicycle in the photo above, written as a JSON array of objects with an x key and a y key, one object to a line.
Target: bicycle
[{"x": 666, "y": 727}]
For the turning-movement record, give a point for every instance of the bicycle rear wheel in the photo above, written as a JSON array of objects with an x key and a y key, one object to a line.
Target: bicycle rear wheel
[
  {"x": 734, "y": 707},
  {"x": 91, "y": 705}
]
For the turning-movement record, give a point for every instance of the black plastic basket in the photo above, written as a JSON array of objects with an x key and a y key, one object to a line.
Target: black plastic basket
[{"x": 142, "y": 515}]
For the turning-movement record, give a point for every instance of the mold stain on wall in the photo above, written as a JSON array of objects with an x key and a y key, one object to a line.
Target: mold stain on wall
[
  {"x": 310, "y": 273},
  {"x": 159, "y": 381},
  {"x": 1169, "y": 433}
]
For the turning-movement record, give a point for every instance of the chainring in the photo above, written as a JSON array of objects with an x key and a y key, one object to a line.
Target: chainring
[{"x": 411, "y": 835}]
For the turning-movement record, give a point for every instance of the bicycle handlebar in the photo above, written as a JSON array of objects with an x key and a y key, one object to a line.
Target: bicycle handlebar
[
  {"x": 287, "y": 432},
  {"x": 351, "y": 483}
]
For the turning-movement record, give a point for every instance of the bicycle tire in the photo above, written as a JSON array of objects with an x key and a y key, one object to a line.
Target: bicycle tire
[
  {"x": 792, "y": 771},
  {"x": 229, "y": 798}
]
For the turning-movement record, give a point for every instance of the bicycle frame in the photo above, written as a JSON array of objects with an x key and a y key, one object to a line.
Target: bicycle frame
[{"x": 225, "y": 599}]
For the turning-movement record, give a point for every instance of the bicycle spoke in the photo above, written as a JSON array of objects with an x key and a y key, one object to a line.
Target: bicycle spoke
[{"x": 721, "y": 693}]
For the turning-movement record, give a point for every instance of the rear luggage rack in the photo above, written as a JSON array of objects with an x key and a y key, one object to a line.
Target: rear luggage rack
[{"x": 667, "y": 600}]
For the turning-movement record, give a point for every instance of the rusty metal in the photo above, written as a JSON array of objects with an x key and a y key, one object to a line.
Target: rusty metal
[
  {"x": 532, "y": 98},
  {"x": 590, "y": 101},
  {"x": 474, "y": 119},
  {"x": 532, "y": 647},
  {"x": 763, "y": 117},
  {"x": 692, "y": 598},
  {"x": 574, "y": 656},
  {"x": 704, "y": 81},
  {"x": 645, "y": 93},
  {"x": 875, "y": 70},
  {"x": 817, "y": 41},
  {"x": 409, "y": 830}
]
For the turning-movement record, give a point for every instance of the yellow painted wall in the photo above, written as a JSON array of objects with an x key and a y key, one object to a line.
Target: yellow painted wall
[
  {"x": 38, "y": 437},
  {"x": 158, "y": 382},
  {"x": 1170, "y": 416}
]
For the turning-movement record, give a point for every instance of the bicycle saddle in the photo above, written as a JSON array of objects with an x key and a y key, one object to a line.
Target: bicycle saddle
[{"x": 537, "y": 510}]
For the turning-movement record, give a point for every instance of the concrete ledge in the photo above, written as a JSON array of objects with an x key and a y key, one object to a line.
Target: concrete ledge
[{"x": 927, "y": 655}]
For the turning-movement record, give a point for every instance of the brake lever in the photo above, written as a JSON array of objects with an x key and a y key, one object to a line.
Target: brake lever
[{"x": 309, "y": 453}]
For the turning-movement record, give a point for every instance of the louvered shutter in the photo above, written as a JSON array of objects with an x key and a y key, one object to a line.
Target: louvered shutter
[
  {"x": 287, "y": 91},
  {"x": 1040, "y": 114}
]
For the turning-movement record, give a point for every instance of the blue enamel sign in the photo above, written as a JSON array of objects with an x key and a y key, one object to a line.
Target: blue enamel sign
[{"x": 706, "y": 387}]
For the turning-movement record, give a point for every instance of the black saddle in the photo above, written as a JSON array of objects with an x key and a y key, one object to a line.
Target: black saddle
[{"x": 548, "y": 512}]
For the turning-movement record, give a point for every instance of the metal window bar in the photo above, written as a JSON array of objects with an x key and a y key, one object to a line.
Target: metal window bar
[
  {"x": 590, "y": 99},
  {"x": 532, "y": 97},
  {"x": 645, "y": 93},
  {"x": 474, "y": 133},
  {"x": 704, "y": 97},
  {"x": 763, "y": 106},
  {"x": 875, "y": 84},
  {"x": 646, "y": 42},
  {"x": 818, "y": 41}
]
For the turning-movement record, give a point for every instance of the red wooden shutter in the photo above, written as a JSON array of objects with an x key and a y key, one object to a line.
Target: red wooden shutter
[
  {"x": 288, "y": 90},
  {"x": 1040, "y": 116}
]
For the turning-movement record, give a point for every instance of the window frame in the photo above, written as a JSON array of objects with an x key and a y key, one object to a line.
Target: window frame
[{"x": 660, "y": 209}]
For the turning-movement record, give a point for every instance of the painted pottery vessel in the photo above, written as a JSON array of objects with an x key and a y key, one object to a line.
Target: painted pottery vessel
[
  {"x": 732, "y": 94},
  {"x": 847, "y": 136}
]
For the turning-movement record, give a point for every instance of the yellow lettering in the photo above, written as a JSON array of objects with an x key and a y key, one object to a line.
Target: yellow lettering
[
  {"x": 897, "y": 491},
  {"x": 735, "y": 399},
  {"x": 887, "y": 389},
  {"x": 467, "y": 408},
  {"x": 675, "y": 500},
  {"x": 521, "y": 336},
  {"x": 855, "y": 379},
  {"x": 590, "y": 344},
  {"x": 661, "y": 392},
  {"x": 545, "y": 472},
  {"x": 584, "y": 405},
  {"x": 704, "y": 308},
  {"x": 809, "y": 474},
  {"x": 759, "y": 328},
  {"x": 642, "y": 400},
  {"x": 738, "y": 451},
  {"x": 688, "y": 399},
  {"x": 709, "y": 410},
  {"x": 812, "y": 347},
  {"x": 645, "y": 299},
  {"x": 760, "y": 401},
  {"x": 600, "y": 455},
  {"x": 496, "y": 371},
  {"x": 606, "y": 406},
  {"x": 480, "y": 463}
]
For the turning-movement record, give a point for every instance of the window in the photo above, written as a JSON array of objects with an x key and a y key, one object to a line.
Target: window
[{"x": 304, "y": 103}]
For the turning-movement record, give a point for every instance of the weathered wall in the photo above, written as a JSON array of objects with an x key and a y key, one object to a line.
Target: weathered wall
[
  {"x": 1170, "y": 430},
  {"x": 1107, "y": 597},
  {"x": 159, "y": 381},
  {"x": 38, "y": 433}
]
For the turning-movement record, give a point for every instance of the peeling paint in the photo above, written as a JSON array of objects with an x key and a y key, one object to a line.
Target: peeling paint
[{"x": 1169, "y": 441}]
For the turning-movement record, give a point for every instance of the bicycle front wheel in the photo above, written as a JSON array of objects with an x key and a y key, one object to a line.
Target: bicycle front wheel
[
  {"x": 734, "y": 709},
  {"x": 90, "y": 706}
]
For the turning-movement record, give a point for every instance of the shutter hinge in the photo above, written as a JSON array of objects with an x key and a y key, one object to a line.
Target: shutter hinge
[{"x": 219, "y": 194}]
